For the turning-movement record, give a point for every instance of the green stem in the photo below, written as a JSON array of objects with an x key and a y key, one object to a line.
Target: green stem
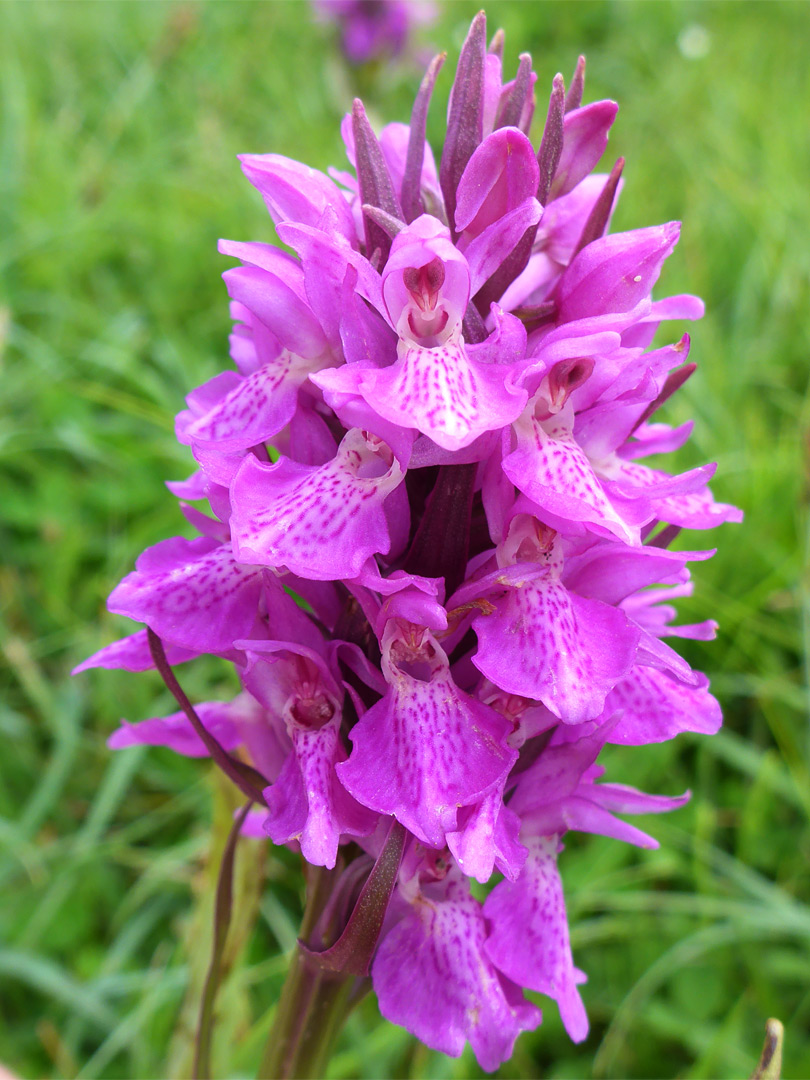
[{"x": 313, "y": 1003}]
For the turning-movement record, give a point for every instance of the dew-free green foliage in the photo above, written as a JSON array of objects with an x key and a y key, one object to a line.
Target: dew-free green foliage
[{"x": 120, "y": 123}]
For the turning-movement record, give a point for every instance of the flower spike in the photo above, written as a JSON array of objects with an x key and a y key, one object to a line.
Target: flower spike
[{"x": 433, "y": 550}]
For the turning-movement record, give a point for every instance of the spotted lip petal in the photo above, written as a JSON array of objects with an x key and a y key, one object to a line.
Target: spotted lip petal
[
  {"x": 551, "y": 468},
  {"x": 439, "y": 391},
  {"x": 426, "y": 748},
  {"x": 321, "y": 522},
  {"x": 192, "y": 592},
  {"x": 529, "y": 941},
  {"x": 432, "y": 975},
  {"x": 655, "y": 707},
  {"x": 546, "y": 643}
]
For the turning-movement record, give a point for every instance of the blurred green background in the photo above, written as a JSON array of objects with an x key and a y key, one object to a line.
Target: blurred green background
[{"x": 120, "y": 125}]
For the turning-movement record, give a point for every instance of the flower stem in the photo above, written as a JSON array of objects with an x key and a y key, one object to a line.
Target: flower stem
[{"x": 313, "y": 1003}]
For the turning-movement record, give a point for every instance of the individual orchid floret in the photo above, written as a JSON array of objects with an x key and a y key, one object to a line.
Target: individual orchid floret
[
  {"x": 321, "y": 522},
  {"x": 539, "y": 640},
  {"x": 426, "y": 748},
  {"x": 307, "y": 802},
  {"x": 433, "y": 975},
  {"x": 529, "y": 941},
  {"x": 436, "y": 384}
]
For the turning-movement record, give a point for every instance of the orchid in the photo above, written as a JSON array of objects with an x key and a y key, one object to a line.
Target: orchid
[
  {"x": 371, "y": 29},
  {"x": 433, "y": 555}
]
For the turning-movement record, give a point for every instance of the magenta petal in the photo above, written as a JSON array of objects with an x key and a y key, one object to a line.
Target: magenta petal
[
  {"x": 500, "y": 175},
  {"x": 488, "y": 837},
  {"x": 585, "y": 815},
  {"x": 307, "y": 803},
  {"x": 615, "y": 273},
  {"x": 551, "y": 468},
  {"x": 488, "y": 250},
  {"x": 657, "y": 707},
  {"x": 432, "y": 976},
  {"x": 440, "y": 391},
  {"x": 132, "y": 653},
  {"x": 257, "y": 408},
  {"x": 296, "y": 192},
  {"x": 529, "y": 939},
  {"x": 176, "y": 731},
  {"x": 193, "y": 593},
  {"x": 281, "y": 309},
  {"x": 585, "y": 136},
  {"x": 321, "y": 522},
  {"x": 545, "y": 643},
  {"x": 423, "y": 751}
]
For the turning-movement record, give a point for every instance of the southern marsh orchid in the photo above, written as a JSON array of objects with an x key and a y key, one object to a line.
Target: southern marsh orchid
[{"x": 433, "y": 554}]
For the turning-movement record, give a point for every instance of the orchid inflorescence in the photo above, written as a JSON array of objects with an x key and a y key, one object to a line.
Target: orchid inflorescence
[{"x": 447, "y": 583}]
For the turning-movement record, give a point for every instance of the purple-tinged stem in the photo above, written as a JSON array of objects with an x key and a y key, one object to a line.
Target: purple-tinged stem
[
  {"x": 222, "y": 921},
  {"x": 313, "y": 1003},
  {"x": 249, "y": 780},
  {"x": 442, "y": 541}
]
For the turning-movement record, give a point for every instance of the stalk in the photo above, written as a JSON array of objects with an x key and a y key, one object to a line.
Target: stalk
[
  {"x": 313, "y": 1006},
  {"x": 313, "y": 1003}
]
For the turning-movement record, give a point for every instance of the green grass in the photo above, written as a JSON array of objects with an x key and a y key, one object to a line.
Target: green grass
[{"x": 120, "y": 123}]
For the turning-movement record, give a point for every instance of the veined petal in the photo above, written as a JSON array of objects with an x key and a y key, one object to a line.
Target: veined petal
[
  {"x": 499, "y": 176},
  {"x": 440, "y": 391},
  {"x": 258, "y": 407},
  {"x": 551, "y": 468},
  {"x": 614, "y": 273},
  {"x": 546, "y": 643},
  {"x": 585, "y": 136},
  {"x": 529, "y": 939},
  {"x": 655, "y": 707},
  {"x": 426, "y": 749},
  {"x": 321, "y": 522},
  {"x": 307, "y": 802},
  {"x": 431, "y": 975},
  {"x": 281, "y": 309},
  {"x": 194, "y": 593},
  {"x": 488, "y": 837},
  {"x": 295, "y": 192}
]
